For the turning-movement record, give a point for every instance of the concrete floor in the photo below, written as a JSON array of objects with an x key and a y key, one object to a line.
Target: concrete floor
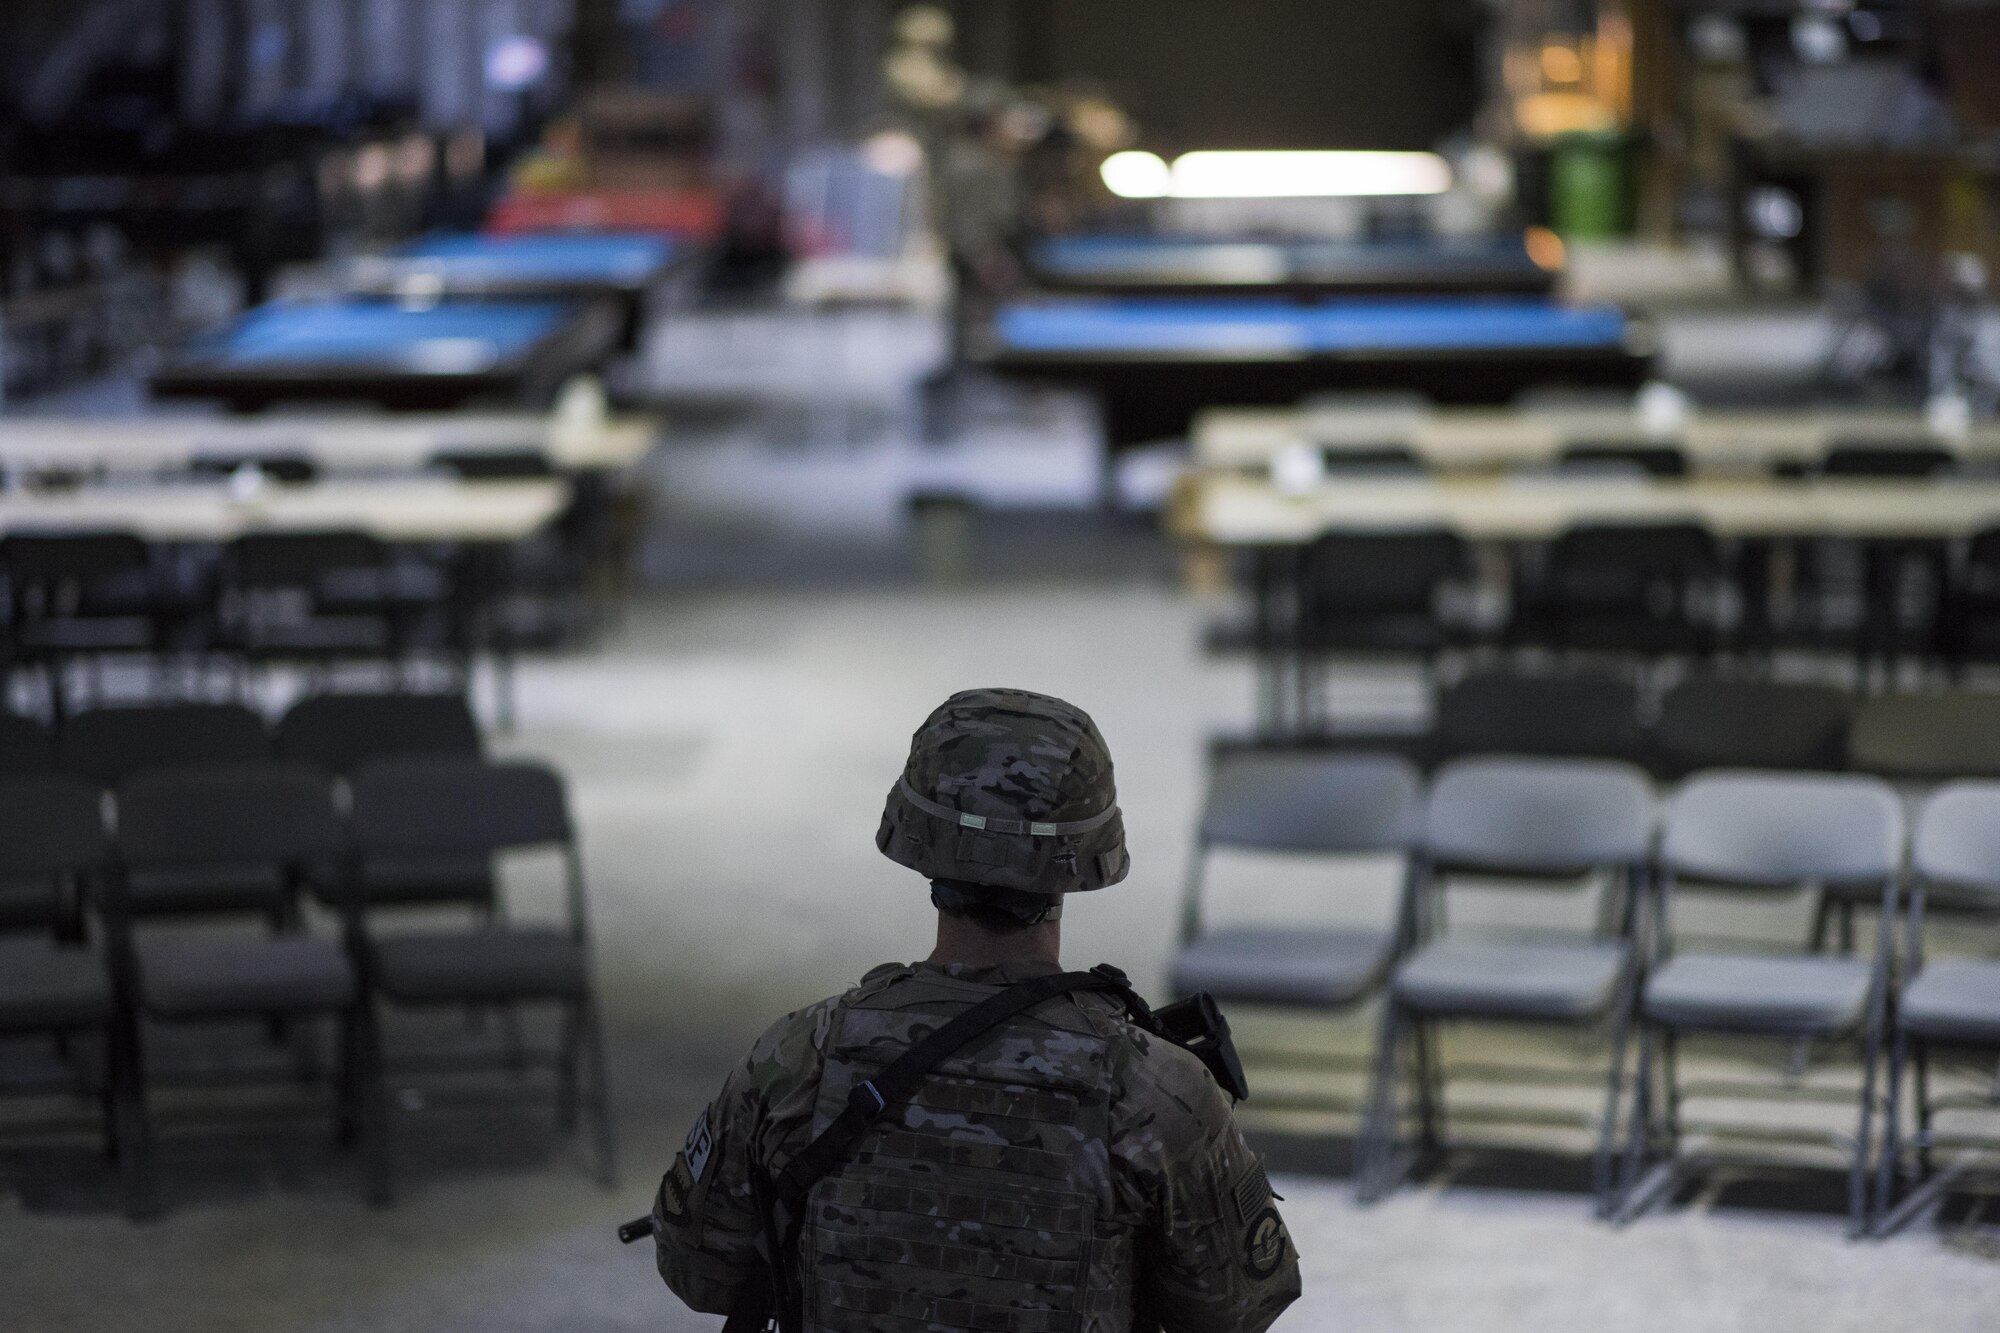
[{"x": 728, "y": 753}]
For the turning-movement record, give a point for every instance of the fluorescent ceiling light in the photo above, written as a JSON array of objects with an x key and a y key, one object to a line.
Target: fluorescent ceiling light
[
  {"x": 1275, "y": 175},
  {"x": 1133, "y": 175}
]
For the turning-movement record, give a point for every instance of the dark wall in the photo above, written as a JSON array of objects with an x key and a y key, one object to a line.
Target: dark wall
[{"x": 1256, "y": 73}]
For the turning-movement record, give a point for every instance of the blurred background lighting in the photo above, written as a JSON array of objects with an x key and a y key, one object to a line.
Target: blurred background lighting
[
  {"x": 1323, "y": 175},
  {"x": 1136, "y": 175}
]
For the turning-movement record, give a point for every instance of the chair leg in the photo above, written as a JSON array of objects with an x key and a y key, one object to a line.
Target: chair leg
[
  {"x": 1892, "y": 1125},
  {"x": 600, "y": 1095},
  {"x": 1601, "y": 1184},
  {"x": 1857, "y": 1171},
  {"x": 130, "y": 1129},
  {"x": 566, "y": 1063},
  {"x": 1377, "y": 1146},
  {"x": 1430, "y": 1095},
  {"x": 1822, "y": 918},
  {"x": 1670, "y": 1089},
  {"x": 372, "y": 1102},
  {"x": 1638, "y": 1135},
  {"x": 1920, "y": 1079}
]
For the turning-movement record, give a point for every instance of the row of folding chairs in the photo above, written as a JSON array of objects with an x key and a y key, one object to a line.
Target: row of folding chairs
[
  {"x": 1595, "y": 830},
  {"x": 1638, "y": 591},
  {"x": 1706, "y": 722},
  {"x": 334, "y": 732},
  {"x": 311, "y": 599}
]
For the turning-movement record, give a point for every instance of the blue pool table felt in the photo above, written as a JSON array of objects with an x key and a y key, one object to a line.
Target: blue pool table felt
[
  {"x": 365, "y": 334},
  {"x": 1224, "y": 327},
  {"x": 610, "y": 258}
]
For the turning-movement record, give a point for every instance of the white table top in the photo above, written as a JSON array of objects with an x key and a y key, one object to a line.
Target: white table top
[
  {"x": 1486, "y": 438},
  {"x": 350, "y": 443},
  {"x": 1247, "y": 511},
  {"x": 409, "y": 509}
]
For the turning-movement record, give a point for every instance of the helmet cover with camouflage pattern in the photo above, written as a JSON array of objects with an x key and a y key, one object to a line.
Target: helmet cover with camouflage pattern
[{"x": 1008, "y": 789}]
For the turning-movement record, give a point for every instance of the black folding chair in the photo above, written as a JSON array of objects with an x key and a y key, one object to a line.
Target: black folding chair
[
  {"x": 1641, "y": 589},
  {"x": 1903, "y": 581},
  {"x": 1617, "y": 457},
  {"x": 341, "y": 732},
  {"x": 435, "y": 807},
  {"x": 321, "y": 598},
  {"x": 281, "y": 818},
  {"x": 1566, "y": 716},
  {"x": 1718, "y": 722},
  {"x": 25, "y": 745},
  {"x": 52, "y": 831},
  {"x": 73, "y": 597}
]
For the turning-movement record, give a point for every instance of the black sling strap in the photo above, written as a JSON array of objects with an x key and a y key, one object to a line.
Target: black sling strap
[{"x": 871, "y": 1097}]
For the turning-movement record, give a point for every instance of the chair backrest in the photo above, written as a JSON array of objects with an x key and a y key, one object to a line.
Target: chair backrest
[
  {"x": 267, "y": 813},
  {"x": 278, "y": 559},
  {"x": 1651, "y": 460},
  {"x": 1568, "y": 715},
  {"x": 340, "y": 731},
  {"x": 1858, "y": 458},
  {"x": 1382, "y": 571},
  {"x": 1650, "y": 550},
  {"x": 291, "y": 468},
  {"x": 456, "y": 805},
  {"x": 1377, "y": 460},
  {"x": 1531, "y": 815},
  {"x": 1956, "y": 842},
  {"x": 1300, "y": 802},
  {"x": 1738, "y": 828},
  {"x": 111, "y": 744},
  {"x": 494, "y": 465},
  {"x": 58, "y": 556},
  {"x": 1954, "y": 734},
  {"x": 25, "y": 745},
  {"x": 49, "y": 824},
  {"x": 1751, "y": 724}
]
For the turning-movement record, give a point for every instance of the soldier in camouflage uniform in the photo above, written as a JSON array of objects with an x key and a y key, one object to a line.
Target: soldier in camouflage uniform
[{"x": 1067, "y": 1171}]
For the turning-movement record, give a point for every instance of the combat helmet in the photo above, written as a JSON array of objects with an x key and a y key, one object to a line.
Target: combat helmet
[{"x": 1007, "y": 801}]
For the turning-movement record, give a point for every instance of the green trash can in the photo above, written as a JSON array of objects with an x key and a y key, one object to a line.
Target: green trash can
[{"x": 1591, "y": 186}]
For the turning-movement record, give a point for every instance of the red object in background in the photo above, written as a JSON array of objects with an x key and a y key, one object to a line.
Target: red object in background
[{"x": 689, "y": 214}]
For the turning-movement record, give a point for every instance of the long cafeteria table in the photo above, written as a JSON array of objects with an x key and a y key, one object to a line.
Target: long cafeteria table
[
  {"x": 1472, "y": 439},
  {"x": 335, "y": 443},
  {"x": 1237, "y": 510},
  {"x": 401, "y": 509}
]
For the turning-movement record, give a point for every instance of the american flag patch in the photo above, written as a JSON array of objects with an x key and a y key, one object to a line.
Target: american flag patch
[{"x": 1253, "y": 1192}]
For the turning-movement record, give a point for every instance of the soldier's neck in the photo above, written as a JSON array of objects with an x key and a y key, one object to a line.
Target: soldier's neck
[{"x": 967, "y": 942}]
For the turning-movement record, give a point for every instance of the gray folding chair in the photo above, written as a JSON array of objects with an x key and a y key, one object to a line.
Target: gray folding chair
[
  {"x": 276, "y": 817},
  {"x": 1515, "y": 820},
  {"x": 1949, "y": 1005},
  {"x": 1301, "y": 804},
  {"x": 51, "y": 829},
  {"x": 438, "y": 807},
  {"x": 1746, "y": 834}
]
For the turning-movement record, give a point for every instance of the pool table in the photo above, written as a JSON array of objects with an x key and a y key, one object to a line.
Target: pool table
[
  {"x": 617, "y": 266},
  {"x": 402, "y": 356},
  {"x": 1155, "y": 361},
  {"x": 1197, "y": 265}
]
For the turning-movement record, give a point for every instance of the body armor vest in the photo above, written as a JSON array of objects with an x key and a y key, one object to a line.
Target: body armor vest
[{"x": 984, "y": 1201}]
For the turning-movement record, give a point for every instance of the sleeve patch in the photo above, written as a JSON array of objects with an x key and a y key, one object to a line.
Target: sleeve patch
[
  {"x": 1253, "y": 1193},
  {"x": 699, "y": 1148},
  {"x": 676, "y": 1188},
  {"x": 1264, "y": 1244}
]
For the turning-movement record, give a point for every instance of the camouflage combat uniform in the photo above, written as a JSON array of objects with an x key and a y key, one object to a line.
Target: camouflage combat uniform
[{"x": 1066, "y": 1171}]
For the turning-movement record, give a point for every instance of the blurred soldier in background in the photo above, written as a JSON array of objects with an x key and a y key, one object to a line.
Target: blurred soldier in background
[{"x": 981, "y": 1140}]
